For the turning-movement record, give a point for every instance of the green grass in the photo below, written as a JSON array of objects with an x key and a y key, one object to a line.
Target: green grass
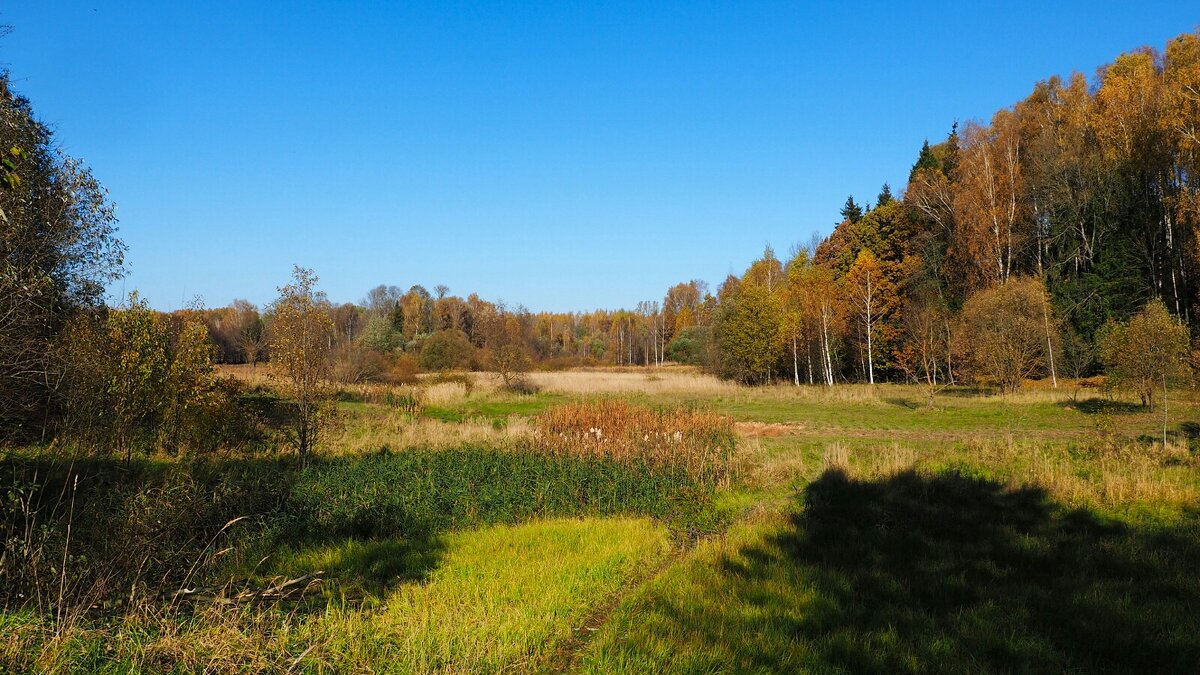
[
  {"x": 918, "y": 573},
  {"x": 956, "y": 411},
  {"x": 503, "y": 599},
  {"x": 418, "y": 493},
  {"x": 987, "y": 534}
]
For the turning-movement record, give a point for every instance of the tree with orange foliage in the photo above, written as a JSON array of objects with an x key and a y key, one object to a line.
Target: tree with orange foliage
[{"x": 991, "y": 205}]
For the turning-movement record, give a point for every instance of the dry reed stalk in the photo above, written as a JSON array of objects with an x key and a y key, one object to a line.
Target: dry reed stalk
[{"x": 699, "y": 442}]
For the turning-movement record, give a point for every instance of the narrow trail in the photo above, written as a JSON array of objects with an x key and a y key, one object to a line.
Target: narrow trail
[{"x": 566, "y": 657}]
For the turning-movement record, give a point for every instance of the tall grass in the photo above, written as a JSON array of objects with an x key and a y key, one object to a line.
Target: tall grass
[
  {"x": 636, "y": 380},
  {"x": 423, "y": 492},
  {"x": 84, "y": 532},
  {"x": 699, "y": 442}
]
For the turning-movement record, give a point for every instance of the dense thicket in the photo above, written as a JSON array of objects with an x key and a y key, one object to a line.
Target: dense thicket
[{"x": 58, "y": 248}]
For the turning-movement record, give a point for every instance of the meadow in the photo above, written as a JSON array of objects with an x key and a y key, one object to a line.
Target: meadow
[{"x": 638, "y": 520}]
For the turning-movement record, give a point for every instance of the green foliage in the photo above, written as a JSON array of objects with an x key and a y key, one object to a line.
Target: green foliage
[
  {"x": 689, "y": 346},
  {"x": 925, "y": 160},
  {"x": 136, "y": 385},
  {"x": 748, "y": 329},
  {"x": 851, "y": 212},
  {"x": 885, "y": 196},
  {"x": 381, "y": 334},
  {"x": 446, "y": 350},
  {"x": 1147, "y": 353},
  {"x": 58, "y": 249},
  {"x": 420, "y": 492}
]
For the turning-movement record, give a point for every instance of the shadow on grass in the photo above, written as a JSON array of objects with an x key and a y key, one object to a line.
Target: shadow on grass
[
  {"x": 905, "y": 403},
  {"x": 1096, "y": 406},
  {"x": 359, "y": 568},
  {"x": 965, "y": 391},
  {"x": 956, "y": 574},
  {"x": 1190, "y": 430}
]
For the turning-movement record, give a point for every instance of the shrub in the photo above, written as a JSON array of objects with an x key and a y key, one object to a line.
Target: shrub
[
  {"x": 1147, "y": 353},
  {"x": 353, "y": 364},
  {"x": 135, "y": 383},
  {"x": 688, "y": 347},
  {"x": 404, "y": 370},
  {"x": 521, "y": 384},
  {"x": 1005, "y": 331},
  {"x": 446, "y": 350}
]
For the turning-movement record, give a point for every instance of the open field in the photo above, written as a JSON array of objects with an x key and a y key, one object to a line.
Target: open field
[{"x": 852, "y": 529}]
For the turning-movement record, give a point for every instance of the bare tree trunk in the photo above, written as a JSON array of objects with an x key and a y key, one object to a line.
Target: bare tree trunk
[
  {"x": 825, "y": 346},
  {"x": 808, "y": 356},
  {"x": 949, "y": 367},
  {"x": 795, "y": 363},
  {"x": 870, "y": 356},
  {"x": 1049, "y": 342}
]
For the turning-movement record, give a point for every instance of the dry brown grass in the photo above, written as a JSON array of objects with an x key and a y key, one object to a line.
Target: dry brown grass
[
  {"x": 257, "y": 376},
  {"x": 1101, "y": 476},
  {"x": 1117, "y": 476},
  {"x": 700, "y": 442},
  {"x": 208, "y": 638},
  {"x": 368, "y": 432},
  {"x": 644, "y": 381}
]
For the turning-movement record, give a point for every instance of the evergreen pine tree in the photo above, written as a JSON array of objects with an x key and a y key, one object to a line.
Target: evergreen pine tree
[
  {"x": 885, "y": 196},
  {"x": 851, "y": 211}
]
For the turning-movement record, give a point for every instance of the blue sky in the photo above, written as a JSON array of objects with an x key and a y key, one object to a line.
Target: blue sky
[{"x": 559, "y": 155}]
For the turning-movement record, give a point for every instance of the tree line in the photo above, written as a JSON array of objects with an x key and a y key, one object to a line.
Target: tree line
[
  {"x": 1021, "y": 247},
  {"x": 1057, "y": 239}
]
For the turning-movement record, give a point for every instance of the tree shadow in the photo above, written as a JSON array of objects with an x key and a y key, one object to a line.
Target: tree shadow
[
  {"x": 160, "y": 525},
  {"x": 968, "y": 391},
  {"x": 1096, "y": 406},
  {"x": 907, "y": 404},
  {"x": 355, "y": 570},
  {"x": 1190, "y": 430},
  {"x": 954, "y": 574}
]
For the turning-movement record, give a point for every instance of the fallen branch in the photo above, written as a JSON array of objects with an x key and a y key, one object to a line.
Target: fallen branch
[{"x": 284, "y": 590}]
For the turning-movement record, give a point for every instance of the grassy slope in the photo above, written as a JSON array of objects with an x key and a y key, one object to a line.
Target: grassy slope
[{"x": 914, "y": 574}]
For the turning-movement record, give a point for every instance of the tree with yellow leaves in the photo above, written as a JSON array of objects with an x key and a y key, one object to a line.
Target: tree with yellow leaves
[
  {"x": 873, "y": 296},
  {"x": 301, "y": 341},
  {"x": 1147, "y": 353}
]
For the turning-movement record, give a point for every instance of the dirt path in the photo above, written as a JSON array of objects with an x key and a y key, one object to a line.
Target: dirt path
[{"x": 566, "y": 657}]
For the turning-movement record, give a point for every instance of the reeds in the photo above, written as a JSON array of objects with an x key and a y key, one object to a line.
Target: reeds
[{"x": 700, "y": 442}]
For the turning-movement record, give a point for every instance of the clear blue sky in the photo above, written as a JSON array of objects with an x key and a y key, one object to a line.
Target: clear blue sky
[{"x": 560, "y": 155}]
